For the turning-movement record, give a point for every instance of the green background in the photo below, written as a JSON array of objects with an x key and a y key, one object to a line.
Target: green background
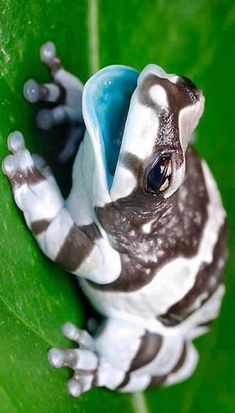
[{"x": 191, "y": 38}]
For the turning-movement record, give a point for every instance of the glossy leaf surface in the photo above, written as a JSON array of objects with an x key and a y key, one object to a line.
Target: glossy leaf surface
[{"x": 36, "y": 297}]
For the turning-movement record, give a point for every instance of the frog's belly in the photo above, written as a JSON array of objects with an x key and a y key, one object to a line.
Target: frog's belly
[
  {"x": 175, "y": 279},
  {"x": 169, "y": 287}
]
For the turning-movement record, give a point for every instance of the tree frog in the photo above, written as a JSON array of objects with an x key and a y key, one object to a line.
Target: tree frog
[{"x": 143, "y": 228}]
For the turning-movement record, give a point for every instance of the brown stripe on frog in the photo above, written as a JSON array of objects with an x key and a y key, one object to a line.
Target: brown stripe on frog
[
  {"x": 180, "y": 361},
  {"x": 76, "y": 248},
  {"x": 39, "y": 226},
  {"x": 181, "y": 94},
  {"x": 206, "y": 324},
  {"x": 149, "y": 348},
  {"x": 159, "y": 380},
  {"x": 176, "y": 230},
  {"x": 209, "y": 277},
  {"x": 27, "y": 176},
  {"x": 124, "y": 382},
  {"x": 91, "y": 230},
  {"x": 33, "y": 176}
]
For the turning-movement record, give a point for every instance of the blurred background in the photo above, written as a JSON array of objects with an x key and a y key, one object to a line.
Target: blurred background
[{"x": 196, "y": 39}]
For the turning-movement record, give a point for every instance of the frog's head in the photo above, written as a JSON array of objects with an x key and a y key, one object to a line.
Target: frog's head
[{"x": 140, "y": 126}]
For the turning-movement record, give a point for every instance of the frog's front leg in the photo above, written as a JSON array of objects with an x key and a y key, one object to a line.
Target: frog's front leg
[{"x": 37, "y": 194}]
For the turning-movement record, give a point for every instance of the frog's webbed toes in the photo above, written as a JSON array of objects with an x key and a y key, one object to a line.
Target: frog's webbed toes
[
  {"x": 51, "y": 92},
  {"x": 61, "y": 102},
  {"x": 84, "y": 363},
  {"x": 46, "y": 92}
]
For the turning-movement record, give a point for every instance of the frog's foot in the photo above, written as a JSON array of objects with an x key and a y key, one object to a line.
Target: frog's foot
[
  {"x": 46, "y": 92},
  {"x": 90, "y": 368},
  {"x": 35, "y": 190},
  {"x": 62, "y": 98},
  {"x": 83, "y": 361}
]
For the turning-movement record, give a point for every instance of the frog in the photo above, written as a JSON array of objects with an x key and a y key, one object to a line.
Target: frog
[{"x": 143, "y": 228}]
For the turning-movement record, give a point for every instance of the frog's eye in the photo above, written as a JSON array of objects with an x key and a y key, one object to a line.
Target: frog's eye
[{"x": 159, "y": 175}]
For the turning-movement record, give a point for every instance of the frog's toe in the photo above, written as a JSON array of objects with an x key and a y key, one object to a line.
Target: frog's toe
[
  {"x": 47, "y": 52},
  {"x": 74, "y": 387},
  {"x": 56, "y": 357},
  {"x": 74, "y": 358},
  {"x": 71, "y": 332},
  {"x": 47, "y": 118},
  {"x": 15, "y": 142},
  {"x": 84, "y": 363},
  {"x": 81, "y": 337},
  {"x": 26, "y": 162},
  {"x": 8, "y": 165},
  {"x": 44, "y": 119},
  {"x": 32, "y": 91},
  {"x": 21, "y": 160},
  {"x": 19, "y": 167},
  {"x": 42, "y": 92},
  {"x": 79, "y": 383},
  {"x": 42, "y": 166}
]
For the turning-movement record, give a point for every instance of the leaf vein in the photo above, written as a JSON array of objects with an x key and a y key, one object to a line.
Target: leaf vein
[{"x": 22, "y": 321}]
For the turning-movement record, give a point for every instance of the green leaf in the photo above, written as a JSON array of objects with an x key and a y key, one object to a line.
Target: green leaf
[{"x": 36, "y": 297}]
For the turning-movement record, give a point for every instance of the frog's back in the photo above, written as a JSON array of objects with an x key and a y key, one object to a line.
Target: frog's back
[{"x": 172, "y": 253}]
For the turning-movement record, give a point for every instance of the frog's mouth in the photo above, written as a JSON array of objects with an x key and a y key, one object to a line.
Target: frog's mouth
[{"x": 107, "y": 98}]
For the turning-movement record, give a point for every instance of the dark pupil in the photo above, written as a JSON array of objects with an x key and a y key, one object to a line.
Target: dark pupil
[{"x": 157, "y": 174}]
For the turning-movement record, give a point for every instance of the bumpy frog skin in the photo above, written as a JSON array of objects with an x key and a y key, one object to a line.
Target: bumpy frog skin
[{"x": 143, "y": 228}]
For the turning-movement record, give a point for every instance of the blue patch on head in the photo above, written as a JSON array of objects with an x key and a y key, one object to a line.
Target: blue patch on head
[{"x": 111, "y": 90}]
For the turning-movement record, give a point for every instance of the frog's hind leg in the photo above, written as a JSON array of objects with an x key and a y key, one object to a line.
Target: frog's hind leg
[
  {"x": 101, "y": 360},
  {"x": 124, "y": 357},
  {"x": 171, "y": 365},
  {"x": 61, "y": 101},
  {"x": 145, "y": 359}
]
